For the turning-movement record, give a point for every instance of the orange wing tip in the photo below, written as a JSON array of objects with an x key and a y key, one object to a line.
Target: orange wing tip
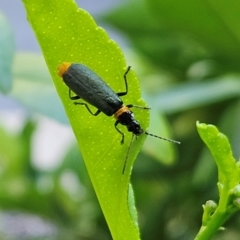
[{"x": 62, "y": 68}]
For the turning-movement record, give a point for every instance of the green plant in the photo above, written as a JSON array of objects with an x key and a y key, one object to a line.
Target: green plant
[
  {"x": 214, "y": 216},
  {"x": 184, "y": 76}
]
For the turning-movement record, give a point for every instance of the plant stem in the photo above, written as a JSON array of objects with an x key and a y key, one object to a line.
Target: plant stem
[{"x": 216, "y": 221}]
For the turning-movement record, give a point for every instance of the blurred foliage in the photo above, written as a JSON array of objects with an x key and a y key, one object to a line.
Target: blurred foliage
[
  {"x": 186, "y": 55},
  {"x": 192, "y": 48},
  {"x": 6, "y": 54},
  {"x": 63, "y": 197},
  {"x": 26, "y": 91}
]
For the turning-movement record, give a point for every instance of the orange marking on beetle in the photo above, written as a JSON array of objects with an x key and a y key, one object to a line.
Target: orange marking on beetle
[
  {"x": 120, "y": 111},
  {"x": 62, "y": 68}
]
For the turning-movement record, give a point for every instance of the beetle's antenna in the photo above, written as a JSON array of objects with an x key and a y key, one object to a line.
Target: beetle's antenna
[
  {"x": 165, "y": 139},
  {"x": 129, "y": 147}
]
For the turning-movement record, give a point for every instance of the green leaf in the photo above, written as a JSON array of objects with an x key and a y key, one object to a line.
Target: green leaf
[
  {"x": 66, "y": 33},
  {"x": 7, "y": 50},
  {"x": 192, "y": 95},
  {"x": 222, "y": 153}
]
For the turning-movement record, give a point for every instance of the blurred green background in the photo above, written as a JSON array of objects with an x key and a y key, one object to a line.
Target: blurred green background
[{"x": 186, "y": 55}]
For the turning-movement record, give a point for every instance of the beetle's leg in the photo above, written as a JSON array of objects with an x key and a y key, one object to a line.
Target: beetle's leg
[
  {"x": 84, "y": 104},
  {"x": 131, "y": 105},
  {"x": 72, "y": 97},
  {"x": 116, "y": 123},
  {"x": 126, "y": 85}
]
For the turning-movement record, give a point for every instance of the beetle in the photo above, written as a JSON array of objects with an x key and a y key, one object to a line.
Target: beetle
[{"x": 88, "y": 86}]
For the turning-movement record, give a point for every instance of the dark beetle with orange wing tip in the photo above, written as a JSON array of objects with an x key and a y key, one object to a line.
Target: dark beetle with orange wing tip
[{"x": 87, "y": 85}]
